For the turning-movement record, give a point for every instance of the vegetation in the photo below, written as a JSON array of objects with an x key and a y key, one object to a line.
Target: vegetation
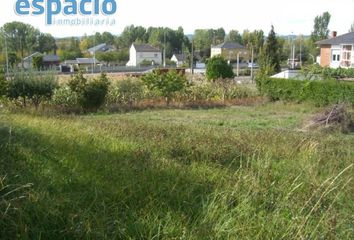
[
  {"x": 317, "y": 72},
  {"x": 217, "y": 67},
  {"x": 32, "y": 87},
  {"x": 271, "y": 51},
  {"x": 241, "y": 172},
  {"x": 37, "y": 62},
  {"x": 321, "y": 93},
  {"x": 166, "y": 84},
  {"x": 92, "y": 94}
]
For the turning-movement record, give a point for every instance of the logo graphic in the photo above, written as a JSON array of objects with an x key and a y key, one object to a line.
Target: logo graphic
[{"x": 87, "y": 10}]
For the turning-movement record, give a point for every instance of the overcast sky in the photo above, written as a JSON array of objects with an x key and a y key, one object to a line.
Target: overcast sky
[{"x": 287, "y": 16}]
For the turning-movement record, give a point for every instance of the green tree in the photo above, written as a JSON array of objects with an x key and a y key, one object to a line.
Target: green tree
[
  {"x": 272, "y": 50},
  {"x": 217, "y": 67},
  {"x": 45, "y": 43},
  {"x": 253, "y": 40},
  {"x": 91, "y": 94},
  {"x": 37, "y": 62},
  {"x": 3, "y": 84},
  {"x": 234, "y": 36},
  {"x": 320, "y": 28},
  {"x": 21, "y": 37},
  {"x": 33, "y": 87},
  {"x": 167, "y": 84}
]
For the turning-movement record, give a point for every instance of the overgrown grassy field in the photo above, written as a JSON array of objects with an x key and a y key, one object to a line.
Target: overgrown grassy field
[{"x": 231, "y": 173}]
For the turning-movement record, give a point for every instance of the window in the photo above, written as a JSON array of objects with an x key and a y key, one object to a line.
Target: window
[
  {"x": 346, "y": 55},
  {"x": 335, "y": 57}
]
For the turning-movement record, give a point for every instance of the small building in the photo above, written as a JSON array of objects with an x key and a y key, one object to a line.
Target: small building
[
  {"x": 48, "y": 60},
  {"x": 337, "y": 51},
  {"x": 81, "y": 63},
  {"x": 229, "y": 50},
  {"x": 179, "y": 59},
  {"x": 140, "y": 53},
  {"x": 100, "y": 48}
]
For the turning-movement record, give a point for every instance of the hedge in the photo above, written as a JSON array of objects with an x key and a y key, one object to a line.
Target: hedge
[{"x": 321, "y": 93}]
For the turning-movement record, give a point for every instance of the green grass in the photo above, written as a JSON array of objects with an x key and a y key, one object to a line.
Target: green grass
[{"x": 232, "y": 173}]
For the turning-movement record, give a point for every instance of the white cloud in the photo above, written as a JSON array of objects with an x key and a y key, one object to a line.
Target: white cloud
[{"x": 286, "y": 16}]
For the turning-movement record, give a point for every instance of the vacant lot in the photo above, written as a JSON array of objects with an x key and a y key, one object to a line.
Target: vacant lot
[{"x": 233, "y": 173}]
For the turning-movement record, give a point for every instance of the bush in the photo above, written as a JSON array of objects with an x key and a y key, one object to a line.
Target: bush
[
  {"x": 217, "y": 67},
  {"x": 65, "y": 97},
  {"x": 3, "y": 85},
  {"x": 95, "y": 93},
  {"x": 33, "y": 87},
  {"x": 166, "y": 84},
  {"x": 317, "y": 72},
  {"x": 321, "y": 93},
  {"x": 90, "y": 94},
  {"x": 128, "y": 92}
]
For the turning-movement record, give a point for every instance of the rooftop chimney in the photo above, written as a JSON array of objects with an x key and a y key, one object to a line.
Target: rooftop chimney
[{"x": 333, "y": 34}]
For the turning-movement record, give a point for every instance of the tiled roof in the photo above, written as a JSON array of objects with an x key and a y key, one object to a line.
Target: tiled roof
[
  {"x": 347, "y": 38},
  {"x": 145, "y": 48},
  {"x": 51, "y": 58},
  {"x": 87, "y": 61},
  {"x": 180, "y": 57},
  {"x": 100, "y": 48},
  {"x": 229, "y": 45}
]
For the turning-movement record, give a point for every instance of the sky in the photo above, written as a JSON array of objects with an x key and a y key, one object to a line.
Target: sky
[{"x": 288, "y": 17}]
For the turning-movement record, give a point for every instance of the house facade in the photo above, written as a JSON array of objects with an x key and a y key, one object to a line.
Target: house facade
[
  {"x": 144, "y": 53},
  {"x": 229, "y": 50},
  {"x": 48, "y": 60},
  {"x": 179, "y": 59},
  {"x": 337, "y": 51}
]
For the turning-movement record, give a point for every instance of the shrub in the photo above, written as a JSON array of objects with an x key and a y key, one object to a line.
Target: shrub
[
  {"x": 35, "y": 88},
  {"x": 65, "y": 97},
  {"x": 90, "y": 94},
  {"x": 167, "y": 84},
  {"x": 3, "y": 85},
  {"x": 321, "y": 93},
  {"x": 128, "y": 91},
  {"x": 217, "y": 67},
  {"x": 37, "y": 62},
  {"x": 95, "y": 93}
]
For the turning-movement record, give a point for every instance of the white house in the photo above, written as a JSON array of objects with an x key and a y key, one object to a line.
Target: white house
[
  {"x": 144, "y": 52},
  {"x": 337, "y": 51},
  {"x": 179, "y": 59},
  {"x": 228, "y": 50}
]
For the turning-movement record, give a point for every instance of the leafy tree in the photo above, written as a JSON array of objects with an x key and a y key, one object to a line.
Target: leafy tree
[
  {"x": 271, "y": 51},
  {"x": 33, "y": 87},
  {"x": 234, "y": 36},
  {"x": 253, "y": 40},
  {"x": 46, "y": 43},
  {"x": 91, "y": 94},
  {"x": 37, "y": 62},
  {"x": 21, "y": 37},
  {"x": 217, "y": 67},
  {"x": 320, "y": 28},
  {"x": 3, "y": 84},
  {"x": 167, "y": 84},
  {"x": 13, "y": 59}
]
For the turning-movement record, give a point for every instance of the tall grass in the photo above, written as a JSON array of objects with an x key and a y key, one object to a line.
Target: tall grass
[{"x": 151, "y": 175}]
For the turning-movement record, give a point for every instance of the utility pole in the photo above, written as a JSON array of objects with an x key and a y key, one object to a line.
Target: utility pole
[
  {"x": 192, "y": 58},
  {"x": 252, "y": 63},
  {"x": 164, "y": 48},
  {"x": 300, "y": 51},
  {"x": 94, "y": 52},
  {"x": 7, "y": 57}
]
